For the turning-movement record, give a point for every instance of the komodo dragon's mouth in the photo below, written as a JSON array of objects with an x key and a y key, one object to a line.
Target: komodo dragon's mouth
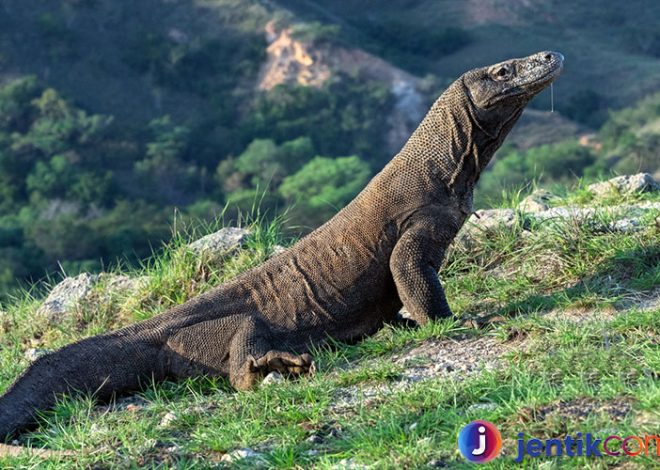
[
  {"x": 554, "y": 68},
  {"x": 550, "y": 75}
]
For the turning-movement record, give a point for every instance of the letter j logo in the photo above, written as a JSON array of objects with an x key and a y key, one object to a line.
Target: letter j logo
[{"x": 480, "y": 441}]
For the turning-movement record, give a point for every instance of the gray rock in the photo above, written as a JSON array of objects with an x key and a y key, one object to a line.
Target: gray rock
[
  {"x": 278, "y": 249},
  {"x": 66, "y": 295},
  {"x": 222, "y": 242},
  {"x": 273, "y": 378},
  {"x": 479, "y": 407},
  {"x": 626, "y": 184},
  {"x": 168, "y": 419},
  {"x": 33, "y": 354},
  {"x": 122, "y": 284},
  {"x": 483, "y": 222},
  {"x": 349, "y": 464},
  {"x": 624, "y": 218},
  {"x": 538, "y": 201},
  {"x": 565, "y": 212},
  {"x": 626, "y": 226},
  {"x": 315, "y": 439},
  {"x": 437, "y": 463},
  {"x": 489, "y": 219},
  {"x": 240, "y": 454}
]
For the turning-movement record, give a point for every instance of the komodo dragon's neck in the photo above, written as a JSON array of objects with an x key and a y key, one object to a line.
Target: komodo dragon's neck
[{"x": 453, "y": 147}]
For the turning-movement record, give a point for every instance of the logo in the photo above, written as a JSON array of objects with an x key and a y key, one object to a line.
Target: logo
[
  {"x": 587, "y": 445},
  {"x": 480, "y": 441}
]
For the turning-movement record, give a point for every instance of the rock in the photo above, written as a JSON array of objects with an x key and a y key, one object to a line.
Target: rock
[
  {"x": 626, "y": 225},
  {"x": 273, "y": 378},
  {"x": 131, "y": 403},
  {"x": 565, "y": 212},
  {"x": 538, "y": 201},
  {"x": 222, "y": 242},
  {"x": 121, "y": 284},
  {"x": 278, "y": 249},
  {"x": 436, "y": 464},
  {"x": 349, "y": 464},
  {"x": 66, "y": 295},
  {"x": 315, "y": 439},
  {"x": 624, "y": 218},
  {"x": 626, "y": 184},
  {"x": 479, "y": 407},
  {"x": 168, "y": 419},
  {"x": 33, "y": 354},
  {"x": 240, "y": 454},
  {"x": 485, "y": 221},
  {"x": 488, "y": 219}
]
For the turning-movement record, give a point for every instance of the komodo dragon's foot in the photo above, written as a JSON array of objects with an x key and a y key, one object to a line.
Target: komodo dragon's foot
[{"x": 286, "y": 363}]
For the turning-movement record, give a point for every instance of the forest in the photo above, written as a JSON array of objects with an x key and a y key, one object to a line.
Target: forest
[{"x": 103, "y": 155}]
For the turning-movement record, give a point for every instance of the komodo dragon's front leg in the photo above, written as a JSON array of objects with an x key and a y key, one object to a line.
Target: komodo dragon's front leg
[{"x": 414, "y": 264}]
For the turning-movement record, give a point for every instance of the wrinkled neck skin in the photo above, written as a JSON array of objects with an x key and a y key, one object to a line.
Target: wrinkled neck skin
[{"x": 456, "y": 141}]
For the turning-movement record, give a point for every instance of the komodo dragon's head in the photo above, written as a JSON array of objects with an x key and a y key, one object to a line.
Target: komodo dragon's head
[{"x": 501, "y": 91}]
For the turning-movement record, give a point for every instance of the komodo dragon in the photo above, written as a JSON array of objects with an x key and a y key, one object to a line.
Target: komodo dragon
[{"x": 343, "y": 280}]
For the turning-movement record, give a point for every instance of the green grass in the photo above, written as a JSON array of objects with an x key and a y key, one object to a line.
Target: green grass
[{"x": 580, "y": 357}]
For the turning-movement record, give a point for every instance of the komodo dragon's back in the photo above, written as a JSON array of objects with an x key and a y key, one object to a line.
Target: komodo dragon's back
[{"x": 343, "y": 281}]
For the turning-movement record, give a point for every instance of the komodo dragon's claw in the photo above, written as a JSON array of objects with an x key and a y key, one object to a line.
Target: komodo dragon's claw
[{"x": 286, "y": 363}]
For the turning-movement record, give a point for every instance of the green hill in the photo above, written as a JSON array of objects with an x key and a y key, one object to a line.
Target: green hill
[
  {"x": 120, "y": 119},
  {"x": 610, "y": 51}
]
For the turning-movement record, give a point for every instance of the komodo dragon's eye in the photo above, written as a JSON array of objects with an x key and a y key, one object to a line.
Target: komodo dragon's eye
[{"x": 501, "y": 72}]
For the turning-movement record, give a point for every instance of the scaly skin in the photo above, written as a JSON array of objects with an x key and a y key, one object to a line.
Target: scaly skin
[{"x": 343, "y": 281}]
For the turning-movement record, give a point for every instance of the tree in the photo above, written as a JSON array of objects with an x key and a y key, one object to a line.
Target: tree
[
  {"x": 164, "y": 174},
  {"x": 325, "y": 185}
]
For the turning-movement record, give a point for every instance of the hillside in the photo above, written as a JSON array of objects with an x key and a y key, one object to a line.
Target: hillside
[
  {"x": 610, "y": 50},
  {"x": 121, "y": 119},
  {"x": 556, "y": 332}
]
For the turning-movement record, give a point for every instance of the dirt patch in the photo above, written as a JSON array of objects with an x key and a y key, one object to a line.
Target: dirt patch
[
  {"x": 558, "y": 418},
  {"x": 579, "y": 409},
  {"x": 581, "y": 315},
  {"x": 633, "y": 301},
  {"x": 644, "y": 301},
  {"x": 458, "y": 359}
]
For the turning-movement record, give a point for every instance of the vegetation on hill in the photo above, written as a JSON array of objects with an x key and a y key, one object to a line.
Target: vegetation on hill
[
  {"x": 611, "y": 52},
  {"x": 118, "y": 117},
  {"x": 556, "y": 332},
  {"x": 627, "y": 143},
  {"x": 79, "y": 191}
]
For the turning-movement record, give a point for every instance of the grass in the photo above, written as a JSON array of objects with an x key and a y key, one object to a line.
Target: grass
[{"x": 580, "y": 356}]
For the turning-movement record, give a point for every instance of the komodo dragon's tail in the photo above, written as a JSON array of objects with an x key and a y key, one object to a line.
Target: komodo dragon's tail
[{"x": 98, "y": 365}]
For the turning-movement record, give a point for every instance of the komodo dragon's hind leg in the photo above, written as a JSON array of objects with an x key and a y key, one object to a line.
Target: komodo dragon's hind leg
[
  {"x": 252, "y": 356},
  {"x": 238, "y": 346}
]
